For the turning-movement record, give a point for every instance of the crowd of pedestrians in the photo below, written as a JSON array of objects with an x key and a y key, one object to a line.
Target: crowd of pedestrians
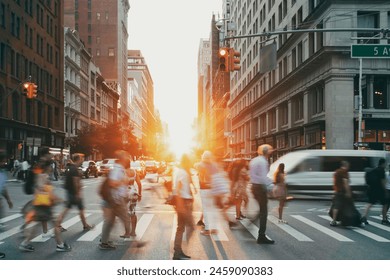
[{"x": 219, "y": 190}]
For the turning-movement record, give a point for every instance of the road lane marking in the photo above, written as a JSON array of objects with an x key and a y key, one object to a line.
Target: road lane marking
[
  {"x": 253, "y": 230},
  {"x": 13, "y": 231},
  {"x": 290, "y": 230},
  {"x": 10, "y": 218},
  {"x": 142, "y": 225},
  {"x": 362, "y": 232},
  {"x": 323, "y": 229},
  {"x": 67, "y": 224},
  {"x": 92, "y": 234}
]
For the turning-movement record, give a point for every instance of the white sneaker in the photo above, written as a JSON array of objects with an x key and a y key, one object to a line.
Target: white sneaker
[{"x": 47, "y": 235}]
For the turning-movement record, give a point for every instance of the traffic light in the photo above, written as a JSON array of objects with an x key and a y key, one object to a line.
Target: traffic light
[
  {"x": 26, "y": 87},
  {"x": 234, "y": 60},
  {"x": 34, "y": 90},
  {"x": 31, "y": 90},
  {"x": 223, "y": 55}
]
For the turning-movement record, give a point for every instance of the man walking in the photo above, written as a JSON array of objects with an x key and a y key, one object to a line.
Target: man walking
[
  {"x": 258, "y": 170},
  {"x": 341, "y": 190},
  {"x": 74, "y": 194},
  {"x": 377, "y": 191}
]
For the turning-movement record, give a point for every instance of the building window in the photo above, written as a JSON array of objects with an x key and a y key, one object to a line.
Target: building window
[
  {"x": 97, "y": 16},
  {"x": 98, "y": 40},
  {"x": 2, "y": 15},
  {"x": 368, "y": 20},
  {"x": 106, "y": 15},
  {"x": 97, "y": 52},
  {"x": 111, "y": 52},
  {"x": 380, "y": 92},
  {"x": 298, "y": 108}
]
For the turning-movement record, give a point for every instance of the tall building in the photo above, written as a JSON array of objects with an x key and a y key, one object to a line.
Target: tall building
[
  {"x": 138, "y": 70},
  {"x": 102, "y": 26},
  {"x": 87, "y": 97},
  {"x": 31, "y": 45},
  {"x": 310, "y": 98}
]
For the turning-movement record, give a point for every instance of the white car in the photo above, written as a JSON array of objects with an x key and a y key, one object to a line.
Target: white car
[{"x": 107, "y": 165}]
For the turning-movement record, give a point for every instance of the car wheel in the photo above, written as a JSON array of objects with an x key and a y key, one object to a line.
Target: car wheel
[{"x": 87, "y": 174}]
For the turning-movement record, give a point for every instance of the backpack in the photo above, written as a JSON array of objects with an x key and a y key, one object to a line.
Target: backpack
[
  {"x": 370, "y": 177},
  {"x": 29, "y": 185}
]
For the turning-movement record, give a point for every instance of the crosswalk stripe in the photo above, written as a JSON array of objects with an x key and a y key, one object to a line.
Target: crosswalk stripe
[
  {"x": 253, "y": 230},
  {"x": 221, "y": 235},
  {"x": 92, "y": 234},
  {"x": 362, "y": 231},
  {"x": 290, "y": 230},
  {"x": 142, "y": 225},
  {"x": 10, "y": 218},
  {"x": 323, "y": 229},
  {"x": 386, "y": 228},
  {"x": 12, "y": 231},
  {"x": 66, "y": 224}
]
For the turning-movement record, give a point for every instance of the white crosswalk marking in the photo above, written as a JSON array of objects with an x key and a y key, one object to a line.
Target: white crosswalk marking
[
  {"x": 290, "y": 230},
  {"x": 386, "y": 228},
  {"x": 323, "y": 229},
  {"x": 65, "y": 224},
  {"x": 221, "y": 235},
  {"x": 10, "y": 218},
  {"x": 253, "y": 230},
  {"x": 92, "y": 234},
  {"x": 142, "y": 225},
  {"x": 12, "y": 231},
  {"x": 362, "y": 231}
]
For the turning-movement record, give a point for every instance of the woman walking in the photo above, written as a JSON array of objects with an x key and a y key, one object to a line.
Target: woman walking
[
  {"x": 184, "y": 199},
  {"x": 240, "y": 179},
  {"x": 280, "y": 191}
]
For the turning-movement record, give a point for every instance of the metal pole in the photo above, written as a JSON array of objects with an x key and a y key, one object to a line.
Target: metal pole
[{"x": 360, "y": 131}]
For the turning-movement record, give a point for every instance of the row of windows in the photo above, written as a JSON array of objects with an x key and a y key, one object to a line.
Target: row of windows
[
  {"x": 35, "y": 111},
  {"x": 20, "y": 67}
]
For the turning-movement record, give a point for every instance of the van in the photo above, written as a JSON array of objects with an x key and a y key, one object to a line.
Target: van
[{"x": 310, "y": 172}]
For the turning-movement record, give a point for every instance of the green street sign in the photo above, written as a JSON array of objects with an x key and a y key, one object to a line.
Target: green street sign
[{"x": 370, "y": 51}]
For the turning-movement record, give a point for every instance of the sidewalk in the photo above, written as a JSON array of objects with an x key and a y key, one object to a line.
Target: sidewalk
[{"x": 11, "y": 178}]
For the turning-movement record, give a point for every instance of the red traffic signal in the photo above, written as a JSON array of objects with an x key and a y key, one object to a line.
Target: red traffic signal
[
  {"x": 223, "y": 55},
  {"x": 234, "y": 60},
  {"x": 30, "y": 89}
]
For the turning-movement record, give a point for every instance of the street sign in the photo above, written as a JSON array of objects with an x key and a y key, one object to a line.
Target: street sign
[
  {"x": 361, "y": 144},
  {"x": 370, "y": 51}
]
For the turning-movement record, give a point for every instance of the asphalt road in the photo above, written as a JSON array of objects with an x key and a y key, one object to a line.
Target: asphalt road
[{"x": 307, "y": 236}]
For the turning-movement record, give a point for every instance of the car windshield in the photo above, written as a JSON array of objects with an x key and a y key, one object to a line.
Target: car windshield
[
  {"x": 85, "y": 164},
  {"x": 290, "y": 160}
]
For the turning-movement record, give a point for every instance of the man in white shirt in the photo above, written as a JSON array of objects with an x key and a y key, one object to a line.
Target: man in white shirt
[{"x": 258, "y": 170}]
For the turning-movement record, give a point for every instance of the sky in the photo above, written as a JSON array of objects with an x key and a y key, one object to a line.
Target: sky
[{"x": 168, "y": 34}]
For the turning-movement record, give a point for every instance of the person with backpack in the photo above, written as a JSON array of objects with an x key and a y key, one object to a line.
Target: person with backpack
[
  {"x": 73, "y": 189},
  {"x": 376, "y": 181},
  {"x": 115, "y": 194},
  {"x": 42, "y": 211}
]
